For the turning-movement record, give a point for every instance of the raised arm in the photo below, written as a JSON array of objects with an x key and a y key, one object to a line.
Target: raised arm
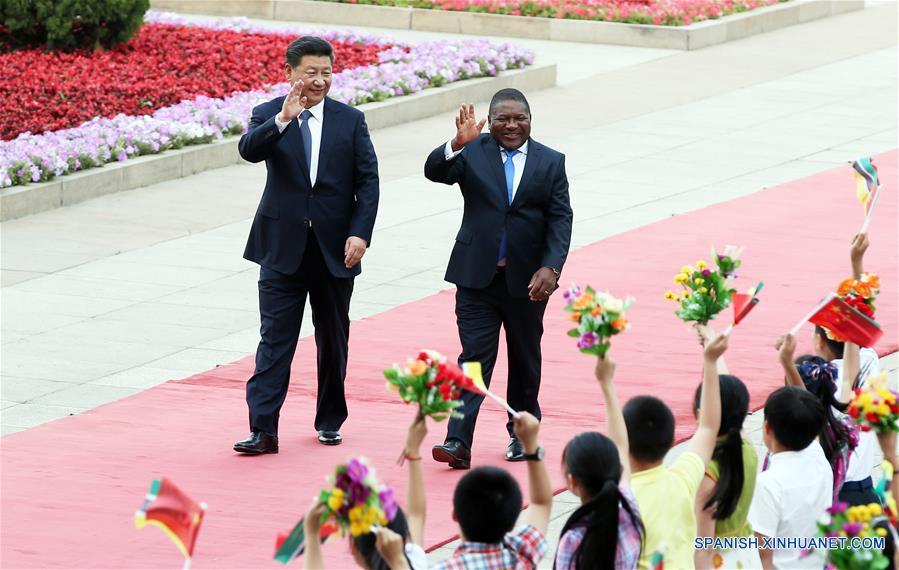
[
  {"x": 416, "y": 505},
  {"x": 312, "y": 558},
  {"x": 707, "y": 334},
  {"x": 786, "y": 351},
  {"x": 857, "y": 251},
  {"x": 703, "y": 442},
  {"x": 541, "y": 493},
  {"x": 263, "y": 132},
  {"x": 851, "y": 370},
  {"x": 445, "y": 164},
  {"x": 605, "y": 372}
]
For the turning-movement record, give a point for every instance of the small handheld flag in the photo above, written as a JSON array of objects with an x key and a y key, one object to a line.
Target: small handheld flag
[
  {"x": 743, "y": 303},
  {"x": 842, "y": 320},
  {"x": 179, "y": 516},
  {"x": 867, "y": 186},
  {"x": 291, "y": 545},
  {"x": 473, "y": 371}
]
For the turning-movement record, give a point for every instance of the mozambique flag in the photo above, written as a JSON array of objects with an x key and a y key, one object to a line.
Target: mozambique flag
[
  {"x": 291, "y": 545},
  {"x": 867, "y": 182},
  {"x": 169, "y": 508}
]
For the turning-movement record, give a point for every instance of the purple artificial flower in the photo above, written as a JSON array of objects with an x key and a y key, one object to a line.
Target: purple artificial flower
[
  {"x": 388, "y": 502},
  {"x": 572, "y": 293},
  {"x": 852, "y": 529},
  {"x": 837, "y": 508},
  {"x": 706, "y": 272},
  {"x": 343, "y": 482},
  {"x": 359, "y": 493},
  {"x": 588, "y": 339},
  {"x": 356, "y": 470}
]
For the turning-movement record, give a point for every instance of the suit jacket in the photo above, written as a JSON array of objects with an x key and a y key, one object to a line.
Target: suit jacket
[
  {"x": 537, "y": 223},
  {"x": 342, "y": 203}
]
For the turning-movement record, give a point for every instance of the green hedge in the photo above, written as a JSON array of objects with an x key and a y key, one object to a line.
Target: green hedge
[{"x": 69, "y": 24}]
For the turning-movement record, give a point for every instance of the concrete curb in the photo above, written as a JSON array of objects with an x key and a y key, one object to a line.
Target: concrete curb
[
  {"x": 694, "y": 36},
  {"x": 19, "y": 201}
]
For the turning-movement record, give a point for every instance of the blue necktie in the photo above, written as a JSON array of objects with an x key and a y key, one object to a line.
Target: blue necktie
[
  {"x": 509, "y": 168},
  {"x": 306, "y": 135}
]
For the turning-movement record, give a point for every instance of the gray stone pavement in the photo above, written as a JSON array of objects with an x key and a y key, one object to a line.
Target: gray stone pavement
[{"x": 109, "y": 297}]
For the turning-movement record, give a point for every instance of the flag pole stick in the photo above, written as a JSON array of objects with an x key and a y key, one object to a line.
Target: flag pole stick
[
  {"x": 186, "y": 563},
  {"x": 502, "y": 403},
  {"x": 726, "y": 331},
  {"x": 810, "y": 314},
  {"x": 870, "y": 211}
]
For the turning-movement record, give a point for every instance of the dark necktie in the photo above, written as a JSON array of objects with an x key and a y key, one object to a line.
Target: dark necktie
[{"x": 306, "y": 135}]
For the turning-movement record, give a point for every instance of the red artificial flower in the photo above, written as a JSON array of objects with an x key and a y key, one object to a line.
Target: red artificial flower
[
  {"x": 160, "y": 66},
  {"x": 860, "y": 304},
  {"x": 853, "y": 411}
]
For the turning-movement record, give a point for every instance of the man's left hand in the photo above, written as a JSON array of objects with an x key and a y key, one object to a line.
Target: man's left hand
[
  {"x": 353, "y": 251},
  {"x": 542, "y": 284}
]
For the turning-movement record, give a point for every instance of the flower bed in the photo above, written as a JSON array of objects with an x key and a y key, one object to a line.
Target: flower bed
[
  {"x": 160, "y": 66},
  {"x": 656, "y": 12},
  {"x": 399, "y": 70}
]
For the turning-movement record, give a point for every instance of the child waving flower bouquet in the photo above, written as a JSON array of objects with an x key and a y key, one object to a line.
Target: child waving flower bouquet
[{"x": 355, "y": 500}]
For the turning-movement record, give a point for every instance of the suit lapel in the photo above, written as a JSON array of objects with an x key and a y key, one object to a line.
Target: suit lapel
[
  {"x": 531, "y": 167},
  {"x": 330, "y": 128},
  {"x": 495, "y": 161}
]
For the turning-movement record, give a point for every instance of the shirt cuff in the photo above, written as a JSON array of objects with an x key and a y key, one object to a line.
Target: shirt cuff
[
  {"x": 281, "y": 125},
  {"x": 448, "y": 151}
]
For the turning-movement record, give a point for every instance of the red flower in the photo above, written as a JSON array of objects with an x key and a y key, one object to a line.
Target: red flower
[
  {"x": 860, "y": 304},
  {"x": 160, "y": 66},
  {"x": 853, "y": 411}
]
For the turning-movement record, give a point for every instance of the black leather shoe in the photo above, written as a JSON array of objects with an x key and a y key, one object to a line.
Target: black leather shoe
[
  {"x": 257, "y": 444},
  {"x": 515, "y": 451},
  {"x": 327, "y": 437},
  {"x": 453, "y": 452}
]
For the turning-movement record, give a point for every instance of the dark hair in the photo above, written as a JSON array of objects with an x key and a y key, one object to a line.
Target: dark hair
[
  {"x": 795, "y": 416},
  {"x": 836, "y": 347},
  {"x": 820, "y": 379},
  {"x": 508, "y": 95},
  {"x": 487, "y": 502},
  {"x": 650, "y": 428},
  {"x": 365, "y": 543},
  {"x": 593, "y": 460},
  {"x": 307, "y": 45},
  {"x": 728, "y": 452}
]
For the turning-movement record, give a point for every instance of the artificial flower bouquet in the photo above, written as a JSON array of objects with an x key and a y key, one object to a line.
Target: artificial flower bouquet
[
  {"x": 860, "y": 293},
  {"x": 854, "y": 522},
  {"x": 431, "y": 382},
  {"x": 705, "y": 292},
  {"x": 874, "y": 406},
  {"x": 599, "y": 317},
  {"x": 356, "y": 501}
]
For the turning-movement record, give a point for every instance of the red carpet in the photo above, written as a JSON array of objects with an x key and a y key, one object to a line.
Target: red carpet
[{"x": 70, "y": 487}]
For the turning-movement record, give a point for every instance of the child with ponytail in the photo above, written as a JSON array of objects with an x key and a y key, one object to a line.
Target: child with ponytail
[
  {"x": 722, "y": 503},
  {"x": 606, "y": 531}
]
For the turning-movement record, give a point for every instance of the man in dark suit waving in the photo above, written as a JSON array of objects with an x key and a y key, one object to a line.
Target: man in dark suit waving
[
  {"x": 312, "y": 227},
  {"x": 509, "y": 252}
]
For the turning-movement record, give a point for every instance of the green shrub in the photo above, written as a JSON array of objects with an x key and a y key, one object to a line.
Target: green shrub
[{"x": 69, "y": 24}]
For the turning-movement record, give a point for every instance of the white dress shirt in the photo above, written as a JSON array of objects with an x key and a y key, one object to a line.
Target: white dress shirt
[
  {"x": 518, "y": 161},
  {"x": 315, "y": 129},
  {"x": 789, "y": 498}
]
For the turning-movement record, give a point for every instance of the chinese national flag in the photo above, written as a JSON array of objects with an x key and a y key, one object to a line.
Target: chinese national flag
[{"x": 847, "y": 322}]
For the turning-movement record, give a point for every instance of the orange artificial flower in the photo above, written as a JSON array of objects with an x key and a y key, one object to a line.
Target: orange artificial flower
[
  {"x": 619, "y": 324},
  {"x": 582, "y": 302},
  {"x": 575, "y": 317},
  {"x": 845, "y": 286},
  {"x": 596, "y": 311},
  {"x": 873, "y": 282},
  {"x": 417, "y": 367},
  {"x": 863, "y": 289}
]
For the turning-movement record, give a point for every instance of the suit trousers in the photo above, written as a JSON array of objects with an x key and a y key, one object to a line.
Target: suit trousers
[
  {"x": 479, "y": 315},
  {"x": 282, "y": 301}
]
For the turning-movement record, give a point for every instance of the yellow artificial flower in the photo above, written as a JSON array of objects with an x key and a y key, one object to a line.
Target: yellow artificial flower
[
  {"x": 670, "y": 295},
  {"x": 703, "y": 289},
  {"x": 699, "y": 281},
  {"x": 881, "y": 531},
  {"x": 865, "y": 399},
  {"x": 852, "y": 515},
  {"x": 687, "y": 269},
  {"x": 357, "y": 521},
  {"x": 681, "y": 278},
  {"x": 700, "y": 265},
  {"x": 684, "y": 294},
  {"x": 883, "y": 410},
  {"x": 875, "y": 509},
  {"x": 335, "y": 501}
]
